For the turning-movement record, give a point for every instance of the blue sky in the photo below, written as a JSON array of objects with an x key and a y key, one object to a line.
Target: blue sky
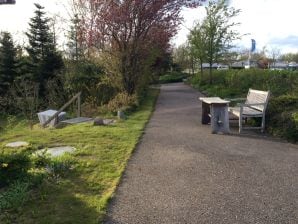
[{"x": 272, "y": 23}]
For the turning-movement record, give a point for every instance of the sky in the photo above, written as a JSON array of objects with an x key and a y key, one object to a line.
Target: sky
[{"x": 272, "y": 23}]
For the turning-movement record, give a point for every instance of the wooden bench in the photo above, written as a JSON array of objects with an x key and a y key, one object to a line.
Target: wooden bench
[{"x": 255, "y": 106}]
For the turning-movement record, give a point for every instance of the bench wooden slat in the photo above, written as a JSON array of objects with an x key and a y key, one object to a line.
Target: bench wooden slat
[{"x": 246, "y": 111}]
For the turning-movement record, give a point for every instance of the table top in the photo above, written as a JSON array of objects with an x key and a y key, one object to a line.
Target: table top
[
  {"x": 214, "y": 100},
  {"x": 49, "y": 113}
]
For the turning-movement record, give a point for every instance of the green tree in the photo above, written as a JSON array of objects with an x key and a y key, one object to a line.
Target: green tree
[
  {"x": 8, "y": 62},
  {"x": 290, "y": 57},
  {"x": 130, "y": 33},
  {"x": 181, "y": 58},
  {"x": 75, "y": 49},
  {"x": 198, "y": 44},
  {"x": 44, "y": 58},
  {"x": 217, "y": 30}
]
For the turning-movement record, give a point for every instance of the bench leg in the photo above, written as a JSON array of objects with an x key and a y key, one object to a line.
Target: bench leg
[
  {"x": 263, "y": 124},
  {"x": 240, "y": 120}
]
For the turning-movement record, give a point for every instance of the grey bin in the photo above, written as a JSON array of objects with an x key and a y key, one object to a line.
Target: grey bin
[{"x": 45, "y": 115}]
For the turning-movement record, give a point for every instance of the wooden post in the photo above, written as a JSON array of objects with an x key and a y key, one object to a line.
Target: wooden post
[{"x": 79, "y": 105}]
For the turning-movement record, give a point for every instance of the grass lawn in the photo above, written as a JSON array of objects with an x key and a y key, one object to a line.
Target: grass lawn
[{"x": 82, "y": 194}]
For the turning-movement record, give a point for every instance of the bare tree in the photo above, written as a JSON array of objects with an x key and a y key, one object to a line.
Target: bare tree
[
  {"x": 274, "y": 55},
  {"x": 25, "y": 96}
]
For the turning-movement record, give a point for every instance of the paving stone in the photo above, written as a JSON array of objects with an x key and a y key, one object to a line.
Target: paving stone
[
  {"x": 57, "y": 151},
  {"x": 17, "y": 144}
]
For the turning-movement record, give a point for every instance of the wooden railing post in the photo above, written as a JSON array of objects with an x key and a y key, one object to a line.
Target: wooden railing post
[{"x": 79, "y": 105}]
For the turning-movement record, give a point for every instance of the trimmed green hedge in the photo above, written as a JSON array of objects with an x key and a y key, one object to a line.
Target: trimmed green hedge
[
  {"x": 172, "y": 77},
  {"x": 283, "y": 85},
  {"x": 282, "y": 117}
]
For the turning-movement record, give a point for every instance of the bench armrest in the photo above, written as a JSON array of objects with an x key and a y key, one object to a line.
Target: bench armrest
[
  {"x": 251, "y": 104},
  {"x": 235, "y": 99}
]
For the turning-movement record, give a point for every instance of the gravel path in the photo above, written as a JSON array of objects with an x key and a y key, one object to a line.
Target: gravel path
[{"x": 181, "y": 173}]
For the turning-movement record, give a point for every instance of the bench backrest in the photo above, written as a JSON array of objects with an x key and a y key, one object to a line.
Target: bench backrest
[{"x": 257, "y": 96}]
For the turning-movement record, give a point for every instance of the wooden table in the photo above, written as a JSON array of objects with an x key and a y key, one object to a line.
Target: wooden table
[{"x": 215, "y": 110}]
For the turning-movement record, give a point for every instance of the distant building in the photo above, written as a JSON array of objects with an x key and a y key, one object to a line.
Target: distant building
[
  {"x": 7, "y": 2},
  {"x": 244, "y": 64},
  {"x": 215, "y": 66},
  {"x": 281, "y": 65},
  {"x": 293, "y": 65}
]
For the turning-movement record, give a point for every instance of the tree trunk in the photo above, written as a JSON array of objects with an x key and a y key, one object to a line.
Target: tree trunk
[
  {"x": 210, "y": 74},
  {"x": 129, "y": 70},
  {"x": 202, "y": 71},
  {"x": 192, "y": 66}
]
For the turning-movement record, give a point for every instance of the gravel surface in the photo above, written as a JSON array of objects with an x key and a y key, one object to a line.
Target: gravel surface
[{"x": 181, "y": 173}]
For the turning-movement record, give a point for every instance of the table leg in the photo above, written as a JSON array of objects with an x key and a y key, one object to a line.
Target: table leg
[
  {"x": 220, "y": 118},
  {"x": 205, "y": 113}
]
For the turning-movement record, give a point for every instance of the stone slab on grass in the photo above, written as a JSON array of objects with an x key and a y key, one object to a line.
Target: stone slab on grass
[
  {"x": 108, "y": 121},
  {"x": 100, "y": 121},
  {"x": 17, "y": 144},
  {"x": 77, "y": 120},
  {"x": 57, "y": 151}
]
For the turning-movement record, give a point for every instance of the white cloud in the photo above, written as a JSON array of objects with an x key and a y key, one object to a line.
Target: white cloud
[
  {"x": 262, "y": 20},
  {"x": 191, "y": 16},
  {"x": 15, "y": 18}
]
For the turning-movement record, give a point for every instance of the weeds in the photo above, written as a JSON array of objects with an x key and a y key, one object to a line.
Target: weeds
[{"x": 15, "y": 196}]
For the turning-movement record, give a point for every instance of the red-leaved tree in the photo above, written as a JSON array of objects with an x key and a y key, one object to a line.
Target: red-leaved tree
[{"x": 133, "y": 33}]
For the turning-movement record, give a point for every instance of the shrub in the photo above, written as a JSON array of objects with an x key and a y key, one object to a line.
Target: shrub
[
  {"x": 40, "y": 160},
  {"x": 280, "y": 103},
  {"x": 59, "y": 166},
  {"x": 13, "y": 166},
  {"x": 284, "y": 125},
  {"x": 278, "y": 82},
  {"x": 282, "y": 117},
  {"x": 83, "y": 76},
  {"x": 123, "y": 101},
  {"x": 172, "y": 77}
]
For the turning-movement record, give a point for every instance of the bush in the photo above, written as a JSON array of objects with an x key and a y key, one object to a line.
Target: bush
[
  {"x": 59, "y": 166},
  {"x": 40, "y": 160},
  {"x": 172, "y": 77},
  {"x": 123, "y": 101},
  {"x": 282, "y": 117},
  {"x": 13, "y": 166},
  {"x": 279, "y": 104},
  {"x": 20, "y": 172},
  {"x": 239, "y": 81}
]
